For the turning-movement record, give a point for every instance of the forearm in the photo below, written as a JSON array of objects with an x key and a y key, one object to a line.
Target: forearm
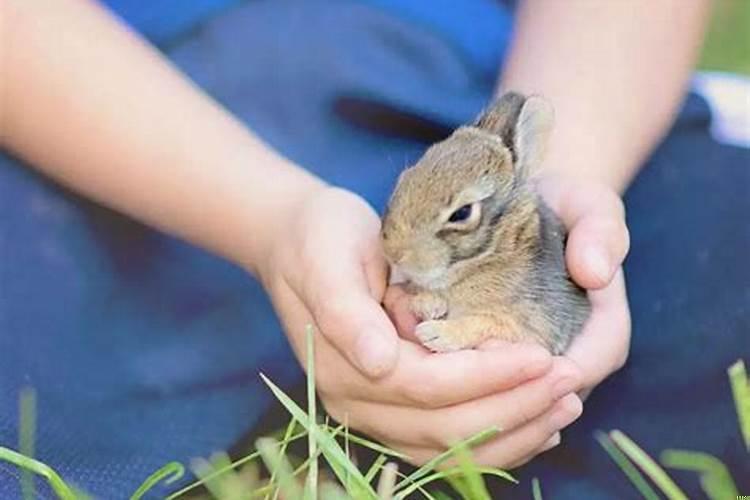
[
  {"x": 96, "y": 108},
  {"x": 614, "y": 71}
]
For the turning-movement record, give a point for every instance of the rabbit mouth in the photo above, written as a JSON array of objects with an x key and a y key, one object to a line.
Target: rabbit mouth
[{"x": 431, "y": 279}]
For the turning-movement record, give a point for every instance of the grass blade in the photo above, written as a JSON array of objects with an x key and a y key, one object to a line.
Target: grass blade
[
  {"x": 276, "y": 462},
  {"x": 432, "y": 464},
  {"x": 311, "y": 487},
  {"x": 447, "y": 475},
  {"x": 426, "y": 494},
  {"x": 387, "y": 481},
  {"x": 273, "y": 487},
  {"x": 375, "y": 467},
  {"x": 648, "y": 466},
  {"x": 332, "y": 491},
  {"x": 214, "y": 483},
  {"x": 26, "y": 433},
  {"x": 335, "y": 456},
  {"x": 716, "y": 480},
  {"x": 61, "y": 489},
  {"x": 237, "y": 463},
  {"x": 232, "y": 485},
  {"x": 169, "y": 474},
  {"x": 627, "y": 467},
  {"x": 536, "y": 489},
  {"x": 372, "y": 445},
  {"x": 472, "y": 478},
  {"x": 347, "y": 450},
  {"x": 284, "y": 443},
  {"x": 439, "y": 495},
  {"x": 741, "y": 392}
]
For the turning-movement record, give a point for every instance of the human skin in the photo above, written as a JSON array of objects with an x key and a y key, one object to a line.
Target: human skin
[
  {"x": 60, "y": 82},
  {"x": 616, "y": 73}
]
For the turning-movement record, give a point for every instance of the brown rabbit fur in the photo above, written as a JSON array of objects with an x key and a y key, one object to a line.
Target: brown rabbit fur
[{"x": 482, "y": 253}]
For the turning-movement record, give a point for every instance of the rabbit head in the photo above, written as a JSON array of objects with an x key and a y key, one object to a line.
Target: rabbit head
[{"x": 467, "y": 193}]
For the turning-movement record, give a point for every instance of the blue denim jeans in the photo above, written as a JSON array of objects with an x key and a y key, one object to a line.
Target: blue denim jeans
[{"x": 144, "y": 349}]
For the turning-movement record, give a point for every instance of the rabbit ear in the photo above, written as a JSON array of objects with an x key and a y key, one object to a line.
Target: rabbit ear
[{"x": 524, "y": 124}]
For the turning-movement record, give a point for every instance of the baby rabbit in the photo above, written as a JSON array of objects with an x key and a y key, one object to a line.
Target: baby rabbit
[{"x": 482, "y": 253}]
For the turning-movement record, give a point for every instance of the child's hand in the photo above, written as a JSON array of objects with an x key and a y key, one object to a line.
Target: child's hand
[
  {"x": 325, "y": 268},
  {"x": 598, "y": 242}
]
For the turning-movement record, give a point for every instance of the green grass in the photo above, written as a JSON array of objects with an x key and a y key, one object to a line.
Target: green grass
[
  {"x": 270, "y": 472},
  {"x": 727, "y": 46}
]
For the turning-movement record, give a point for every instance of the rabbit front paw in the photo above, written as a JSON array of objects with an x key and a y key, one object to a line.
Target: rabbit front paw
[
  {"x": 448, "y": 335},
  {"x": 428, "y": 306}
]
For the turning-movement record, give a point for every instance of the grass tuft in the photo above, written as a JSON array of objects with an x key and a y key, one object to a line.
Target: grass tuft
[{"x": 242, "y": 479}]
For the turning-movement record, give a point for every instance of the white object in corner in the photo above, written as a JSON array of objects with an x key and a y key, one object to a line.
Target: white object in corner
[{"x": 728, "y": 96}]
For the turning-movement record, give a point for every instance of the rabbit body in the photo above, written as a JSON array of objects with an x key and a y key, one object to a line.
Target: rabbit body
[{"x": 482, "y": 253}]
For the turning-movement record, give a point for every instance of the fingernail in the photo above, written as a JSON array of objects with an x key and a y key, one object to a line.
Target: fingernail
[
  {"x": 569, "y": 411},
  {"x": 598, "y": 263},
  {"x": 552, "y": 442},
  {"x": 564, "y": 387},
  {"x": 375, "y": 355}
]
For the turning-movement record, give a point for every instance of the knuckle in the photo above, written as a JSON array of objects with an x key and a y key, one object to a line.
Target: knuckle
[{"x": 332, "y": 314}]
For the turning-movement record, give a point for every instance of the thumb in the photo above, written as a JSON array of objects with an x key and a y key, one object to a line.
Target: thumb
[
  {"x": 351, "y": 318},
  {"x": 597, "y": 246},
  {"x": 594, "y": 215}
]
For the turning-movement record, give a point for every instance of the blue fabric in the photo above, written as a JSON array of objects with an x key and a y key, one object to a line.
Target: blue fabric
[
  {"x": 145, "y": 349},
  {"x": 479, "y": 29},
  {"x": 162, "y": 20}
]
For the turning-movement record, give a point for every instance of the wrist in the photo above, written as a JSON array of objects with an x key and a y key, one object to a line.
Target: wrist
[
  {"x": 578, "y": 158},
  {"x": 268, "y": 214}
]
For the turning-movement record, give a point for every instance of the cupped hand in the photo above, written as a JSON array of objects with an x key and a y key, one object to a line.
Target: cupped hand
[
  {"x": 325, "y": 268},
  {"x": 598, "y": 241}
]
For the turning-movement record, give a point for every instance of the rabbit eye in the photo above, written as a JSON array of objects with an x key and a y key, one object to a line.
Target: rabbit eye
[{"x": 461, "y": 214}]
